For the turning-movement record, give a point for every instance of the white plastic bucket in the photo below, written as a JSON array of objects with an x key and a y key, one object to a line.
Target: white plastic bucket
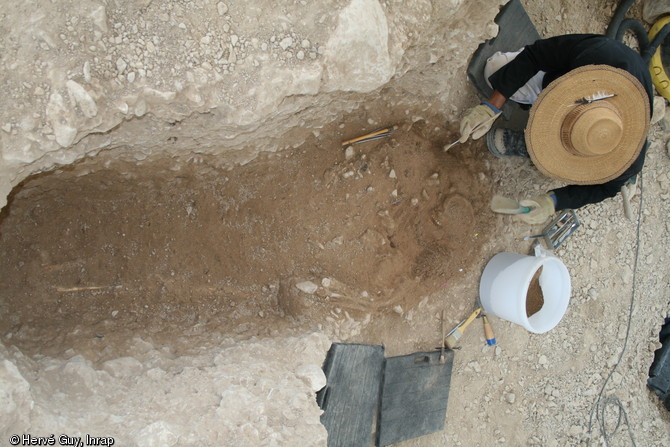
[{"x": 503, "y": 289}]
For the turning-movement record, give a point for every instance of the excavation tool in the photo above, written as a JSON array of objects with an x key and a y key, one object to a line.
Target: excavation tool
[
  {"x": 450, "y": 145},
  {"x": 505, "y": 205},
  {"x": 488, "y": 331},
  {"x": 376, "y": 135},
  {"x": 558, "y": 229},
  {"x": 482, "y": 124},
  {"x": 456, "y": 333}
]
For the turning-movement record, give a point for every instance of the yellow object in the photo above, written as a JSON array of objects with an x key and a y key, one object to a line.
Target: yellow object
[
  {"x": 457, "y": 332},
  {"x": 471, "y": 318},
  {"x": 658, "y": 74},
  {"x": 557, "y": 130},
  {"x": 370, "y": 135}
]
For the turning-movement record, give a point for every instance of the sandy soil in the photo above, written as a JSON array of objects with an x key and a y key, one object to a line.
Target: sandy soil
[
  {"x": 364, "y": 245},
  {"x": 377, "y": 226}
]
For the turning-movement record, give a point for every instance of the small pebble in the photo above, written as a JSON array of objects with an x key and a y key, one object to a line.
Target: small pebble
[
  {"x": 475, "y": 366},
  {"x": 307, "y": 287},
  {"x": 286, "y": 43}
]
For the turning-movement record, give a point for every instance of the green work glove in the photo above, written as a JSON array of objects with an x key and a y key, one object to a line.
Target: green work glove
[
  {"x": 541, "y": 208},
  {"x": 478, "y": 120}
]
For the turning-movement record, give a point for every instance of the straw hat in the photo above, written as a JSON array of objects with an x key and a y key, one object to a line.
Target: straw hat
[{"x": 594, "y": 142}]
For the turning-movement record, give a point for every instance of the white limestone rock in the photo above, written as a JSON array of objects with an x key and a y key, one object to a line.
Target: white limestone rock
[
  {"x": 307, "y": 287},
  {"x": 357, "y": 54},
  {"x": 286, "y": 43},
  {"x": 123, "y": 367},
  {"x": 157, "y": 434},
  {"x": 82, "y": 98},
  {"x": 313, "y": 375},
  {"x": 15, "y": 400},
  {"x": 59, "y": 117},
  {"x": 659, "y": 110},
  {"x": 99, "y": 17}
]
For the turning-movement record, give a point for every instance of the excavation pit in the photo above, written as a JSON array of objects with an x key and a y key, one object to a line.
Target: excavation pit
[{"x": 166, "y": 248}]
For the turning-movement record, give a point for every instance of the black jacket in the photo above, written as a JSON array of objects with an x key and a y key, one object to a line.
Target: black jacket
[{"x": 559, "y": 55}]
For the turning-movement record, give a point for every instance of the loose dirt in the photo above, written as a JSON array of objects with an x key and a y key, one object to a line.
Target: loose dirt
[
  {"x": 376, "y": 226},
  {"x": 534, "y": 296},
  {"x": 154, "y": 297}
]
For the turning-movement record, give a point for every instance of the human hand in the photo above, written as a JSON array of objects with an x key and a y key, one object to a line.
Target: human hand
[
  {"x": 478, "y": 120},
  {"x": 505, "y": 205},
  {"x": 541, "y": 208}
]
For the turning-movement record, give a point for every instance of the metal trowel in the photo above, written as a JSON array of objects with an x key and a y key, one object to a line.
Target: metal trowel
[{"x": 505, "y": 205}]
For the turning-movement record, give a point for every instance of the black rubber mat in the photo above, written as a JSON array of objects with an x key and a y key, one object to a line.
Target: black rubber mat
[
  {"x": 515, "y": 31},
  {"x": 414, "y": 396},
  {"x": 659, "y": 373},
  {"x": 350, "y": 398}
]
